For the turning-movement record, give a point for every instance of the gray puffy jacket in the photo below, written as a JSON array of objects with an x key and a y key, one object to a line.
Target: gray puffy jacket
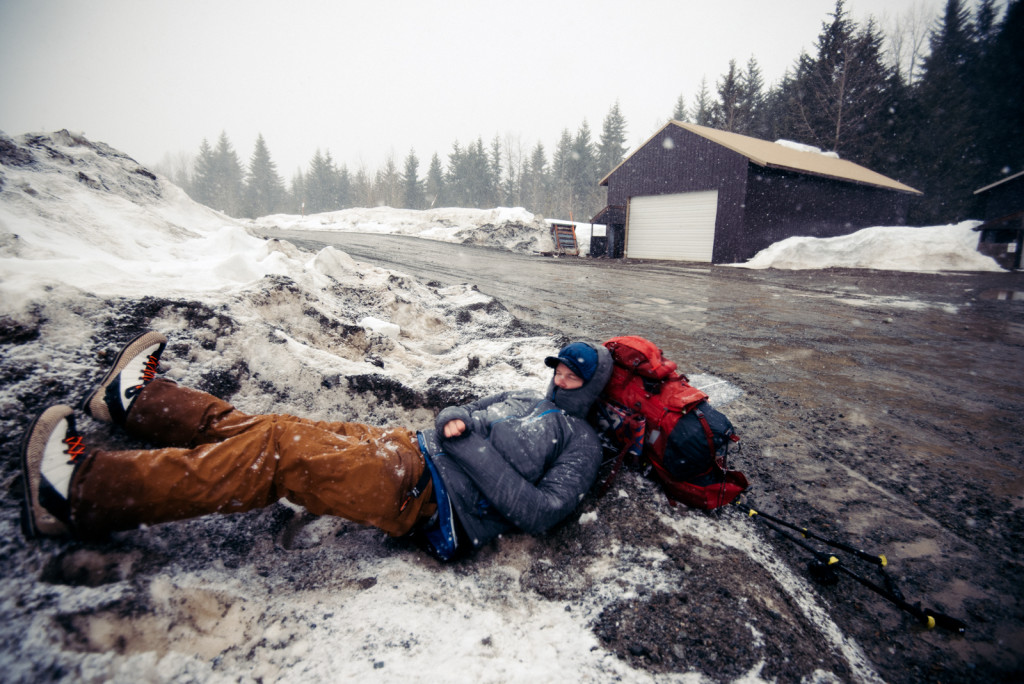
[{"x": 525, "y": 461}]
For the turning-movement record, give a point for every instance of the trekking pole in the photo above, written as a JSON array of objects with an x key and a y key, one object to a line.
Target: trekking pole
[
  {"x": 825, "y": 565},
  {"x": 928, "y": 618},
  {"x": 879, "y": 560}
]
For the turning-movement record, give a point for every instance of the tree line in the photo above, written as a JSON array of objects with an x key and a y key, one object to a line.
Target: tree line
[{"x": 933, "y": 102}]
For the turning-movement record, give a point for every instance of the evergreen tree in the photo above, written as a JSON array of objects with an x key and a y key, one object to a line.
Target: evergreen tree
[
  {"x": 435, "y": 190},
  {"x": 679, "y": 113},
  {"x": 362, "y": 189},
  {"x": 946, "y": 154},
  {"x": 412, "y": 186},
  {"x": 877, "y": 122},
  {"x": 479, "y": 176},
  {"x": 536, "y": 182},
  {"x": 456, "y": 180},
  {"x": 388, "y": 185},
  {"x": 752, "y": 101},
  {"x": 298, "y": 192},
  {"x": 842, "y": 99},
  {"x": 343, "y": 188},
  {"x": 774, "y": 111},
  {"x": 321, "y": 184},
  {"x": 986, "y": 25},
  {"x": 583, "y": 176},
  {"x": 611, "y": 148},
  {"x": 726, "y": 113},
  {"x": 494, "y": 173},
  {"x": 227, "y": 178},
  {"x": 204, "y": 177},
  {"x": 515, "y": 164},
  {"x": 702, "y": 105},
  {"x": 561, "y": 171},
  {"x": 999, "y": 73},
  {"x": 264, "y": 189}
]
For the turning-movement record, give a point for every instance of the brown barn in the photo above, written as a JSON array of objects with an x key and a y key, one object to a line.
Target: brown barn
[
  {"x": 692, "y": 193},
  {"x": 1002, "y": 233}
]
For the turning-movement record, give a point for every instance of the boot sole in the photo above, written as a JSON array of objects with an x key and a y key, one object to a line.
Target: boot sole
[
  {"x": 95, "y": 404},
  {"x": 36, "y": 521}
]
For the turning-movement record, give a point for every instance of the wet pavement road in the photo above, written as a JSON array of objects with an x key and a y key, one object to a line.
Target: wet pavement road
[{"x": 782, "y": 323}]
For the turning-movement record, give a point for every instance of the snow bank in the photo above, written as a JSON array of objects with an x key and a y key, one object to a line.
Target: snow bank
[
  {"x": 898, "y": 248},
  {"x": 516, "y": 229}
]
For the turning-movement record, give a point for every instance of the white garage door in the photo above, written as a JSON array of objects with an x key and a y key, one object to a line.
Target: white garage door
[{"x": 678, "y": 227}]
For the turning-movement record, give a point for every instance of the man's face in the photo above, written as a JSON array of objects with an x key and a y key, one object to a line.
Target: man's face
[{"x": 566, "y": 379}]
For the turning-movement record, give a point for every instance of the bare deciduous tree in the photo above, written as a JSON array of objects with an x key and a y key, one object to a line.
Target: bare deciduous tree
[{"x": 907, "y": 38}]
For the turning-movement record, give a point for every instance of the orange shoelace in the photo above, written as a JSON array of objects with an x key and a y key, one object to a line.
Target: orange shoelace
[
  {"x": 149, "y": 371},
  {"x": 76, "y": 448}
]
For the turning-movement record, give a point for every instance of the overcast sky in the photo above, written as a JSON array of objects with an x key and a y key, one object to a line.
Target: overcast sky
[{"x": 377, "y": 77}]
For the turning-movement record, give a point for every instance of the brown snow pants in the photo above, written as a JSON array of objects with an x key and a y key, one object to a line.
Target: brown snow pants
[{"x": 211, "y": 458}]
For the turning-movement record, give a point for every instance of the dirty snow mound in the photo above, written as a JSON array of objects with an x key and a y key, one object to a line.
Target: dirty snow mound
[{"x": 513, "y": 229}]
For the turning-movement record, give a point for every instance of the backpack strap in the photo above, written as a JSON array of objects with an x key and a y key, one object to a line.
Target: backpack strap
[
  {"x": 631, "y": 424},
  {"x": 707, "y": 431},
  {"x": 417, "y": 490},
  {"x": 615, "y": 470}
]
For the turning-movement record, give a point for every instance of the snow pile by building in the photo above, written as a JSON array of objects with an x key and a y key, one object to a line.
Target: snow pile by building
[
  {"x": 516, "y": 230},
  {"x": 897, "y": 248}
]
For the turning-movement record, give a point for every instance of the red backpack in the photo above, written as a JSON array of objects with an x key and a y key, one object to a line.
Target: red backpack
[{"x": 651, "y": 413}]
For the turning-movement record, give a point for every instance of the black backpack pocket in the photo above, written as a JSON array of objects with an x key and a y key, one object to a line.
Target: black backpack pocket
[{"x": 695, "y": 442}]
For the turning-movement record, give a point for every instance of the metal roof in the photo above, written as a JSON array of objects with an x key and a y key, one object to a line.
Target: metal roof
[{"x": 776, "y": 156}]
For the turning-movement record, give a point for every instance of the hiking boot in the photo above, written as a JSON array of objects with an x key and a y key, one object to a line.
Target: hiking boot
[
  {"x": 50, "y": 451},
  {"x": 134, "y": 368}
]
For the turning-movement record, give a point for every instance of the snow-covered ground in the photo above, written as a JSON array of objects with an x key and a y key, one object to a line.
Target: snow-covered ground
[
  {"x": 516, "y": 230},
  {"x": 930, "y": 249},
  {"x": 93, "y": 247}
]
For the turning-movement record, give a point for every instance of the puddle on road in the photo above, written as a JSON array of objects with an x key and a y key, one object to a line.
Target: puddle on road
[{"x": 898, "y": 303}]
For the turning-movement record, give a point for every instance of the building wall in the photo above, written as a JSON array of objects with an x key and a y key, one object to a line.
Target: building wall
[
  {"x": 1005, "y": 246},
  {"x": 781, "y": 204},
  {"x": 677, "y": 161},
  {"x": 756, "y": 206}
]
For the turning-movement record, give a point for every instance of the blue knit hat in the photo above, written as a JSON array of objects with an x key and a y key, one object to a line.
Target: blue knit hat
[{"x": 580, "y": 357}]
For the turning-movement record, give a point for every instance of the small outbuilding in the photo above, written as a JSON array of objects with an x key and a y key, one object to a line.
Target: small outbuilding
[
  {"x": 693, "y": 193},
  {"x": 1002, "y": 233}
]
